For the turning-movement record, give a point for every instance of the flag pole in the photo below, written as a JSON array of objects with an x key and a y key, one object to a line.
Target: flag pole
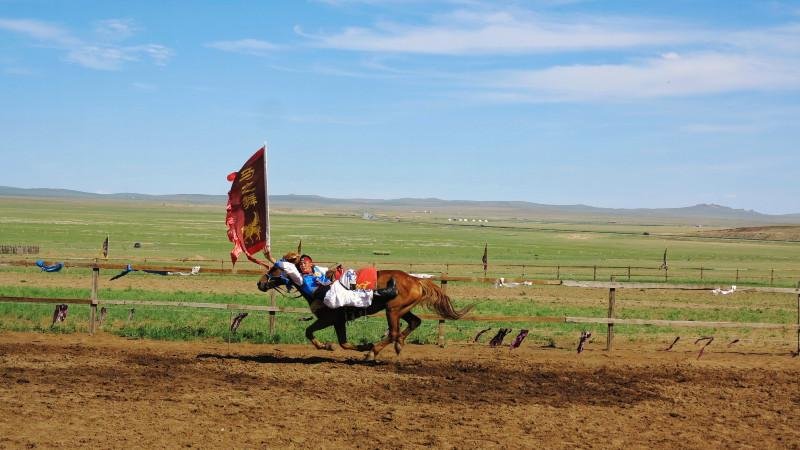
[{"x": 267, "y": 247}]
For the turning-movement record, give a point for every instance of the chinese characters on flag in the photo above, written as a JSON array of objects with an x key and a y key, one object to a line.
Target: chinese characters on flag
[{"x": 247, "y": 211}]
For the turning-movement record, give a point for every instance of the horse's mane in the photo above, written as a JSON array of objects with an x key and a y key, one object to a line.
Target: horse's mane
[{"x": 292, "y": 257}]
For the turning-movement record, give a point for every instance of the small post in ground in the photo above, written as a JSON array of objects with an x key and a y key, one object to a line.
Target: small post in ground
[
  {"x": 441, "y": 321},
  {"x": 612, "y": 295},
  {"x": 272, "y": 314},
  {"x": 93, "y": 306}
]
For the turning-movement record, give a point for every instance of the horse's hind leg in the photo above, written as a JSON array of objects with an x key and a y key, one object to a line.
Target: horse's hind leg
[
  {"x": 319, "y": 324},
  {"x": 413, "y": 322},
  {"x": 341, "y": 335},
  {"x": 393, "y": 318}
]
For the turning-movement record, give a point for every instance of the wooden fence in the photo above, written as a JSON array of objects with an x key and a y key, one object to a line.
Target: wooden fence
[
  {"x": 611, "y": 320},
  {"x": 594, "y": 272},
  {"x": 18, "y": 249}
]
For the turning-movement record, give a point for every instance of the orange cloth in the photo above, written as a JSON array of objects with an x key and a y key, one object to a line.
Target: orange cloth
[{"x": 367, "y": 278}]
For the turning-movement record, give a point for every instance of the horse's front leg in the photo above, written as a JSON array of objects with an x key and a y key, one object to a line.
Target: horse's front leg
[
  {"x": 341, "y": 334},
  {"x": 318, "y": 324},
  {"x": 393, "y": 319}
]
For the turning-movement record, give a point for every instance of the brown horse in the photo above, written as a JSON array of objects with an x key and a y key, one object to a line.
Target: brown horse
[{"x": 411, "y": 291}]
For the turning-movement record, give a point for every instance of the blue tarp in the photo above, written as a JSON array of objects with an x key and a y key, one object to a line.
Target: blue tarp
[{"x": 45, "y": 268}]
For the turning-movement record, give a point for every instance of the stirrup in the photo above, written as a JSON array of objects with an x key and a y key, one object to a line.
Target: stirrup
[{"x": 389, "y": 292}]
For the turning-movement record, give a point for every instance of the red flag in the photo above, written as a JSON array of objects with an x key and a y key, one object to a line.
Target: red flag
[
  {"x": 247, "y": 216},
  {"x": 485, "y": 258}
]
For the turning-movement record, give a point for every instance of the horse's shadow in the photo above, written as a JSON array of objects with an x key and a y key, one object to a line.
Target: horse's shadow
[{"x": 281, "y": 359}]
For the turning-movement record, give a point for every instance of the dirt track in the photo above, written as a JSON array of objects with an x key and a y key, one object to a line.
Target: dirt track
[{"x": 103, "y": 391}]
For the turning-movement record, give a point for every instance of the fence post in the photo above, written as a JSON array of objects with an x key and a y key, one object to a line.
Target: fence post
[
  {"x": 737, "y": 275},
  {"x": 93, "y": 306},
  {"x": 272, "y": 314},
  {"x": 441, "y": 321},
  {"x": 558, "y": 272},
  {"x": 798, "y": 324},
  {"x": 701, "y": 273},
  {"x": 523, "y": 271},
  {"x": 612, "y": 296},
  {"x": 594, "y": 274},
  {"x": 771, "y": 276},
  {"x": 629, "y": 273}
]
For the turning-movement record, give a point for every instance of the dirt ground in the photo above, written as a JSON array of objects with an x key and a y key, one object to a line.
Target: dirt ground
[
  {"x": 77, "y": 390},
  {"x": 774, "y": 233}
]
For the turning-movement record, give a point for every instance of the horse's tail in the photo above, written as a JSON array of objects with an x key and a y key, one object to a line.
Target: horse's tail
[{"x": 434, "y": 298}]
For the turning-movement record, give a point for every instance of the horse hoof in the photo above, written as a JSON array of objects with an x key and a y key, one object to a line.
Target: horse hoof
[
  {"x": 328, "y": 346},
  {"x": 397, "y": 347},
  {"x": 369, "y": 356}
]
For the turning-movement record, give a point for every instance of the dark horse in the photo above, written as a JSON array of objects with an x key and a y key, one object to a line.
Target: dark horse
[{"x": 411, "y": 291}]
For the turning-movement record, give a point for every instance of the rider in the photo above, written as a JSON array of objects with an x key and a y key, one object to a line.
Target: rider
[
  {"x": 314, "y": 277},
  {"x": 315, "y": 281}
]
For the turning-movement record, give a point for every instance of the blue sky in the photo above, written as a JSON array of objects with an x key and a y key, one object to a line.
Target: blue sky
[{"x": 606, "y": 103}]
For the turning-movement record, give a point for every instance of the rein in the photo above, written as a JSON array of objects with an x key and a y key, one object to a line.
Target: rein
[{"x": 285, "y": 286}]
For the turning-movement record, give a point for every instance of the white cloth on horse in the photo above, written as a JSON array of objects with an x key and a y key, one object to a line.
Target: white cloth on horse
[
  {"x": 349, "y": 278},
  {"x": 291, "y": 272},
  {"x": 338, "y": 296}
]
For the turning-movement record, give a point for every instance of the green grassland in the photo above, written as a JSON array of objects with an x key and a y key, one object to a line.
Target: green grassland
[{"x": 169, "y": 233}]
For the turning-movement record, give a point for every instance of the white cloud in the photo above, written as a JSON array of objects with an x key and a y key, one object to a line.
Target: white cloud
[
  {"x": 113, "y": 57},
  {"x": 246, "y": 46},
  {"x": 694, "y": 60},
  {"x": 93, "y": 55},
  {"x": 719, "y": 128},
  {"x": 467, "y": 32},
  {"x": 115, "y": 29},
  {"x": 97, "y": 57},
  {"x": 666, "y": 76},
  {"x": 157, "y": 53},
  {"x": 144, "y": 87},
  {"x": 38, "y": 30}
]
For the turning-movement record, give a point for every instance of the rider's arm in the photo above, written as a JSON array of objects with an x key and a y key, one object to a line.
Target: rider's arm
[
  {"x": 268, "y": 254},
  {"x": 319, "y": 276},
  {"x": 291, "y": 271}
]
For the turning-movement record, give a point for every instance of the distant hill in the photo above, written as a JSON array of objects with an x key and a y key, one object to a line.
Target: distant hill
[{"x": 703, "y": 214}]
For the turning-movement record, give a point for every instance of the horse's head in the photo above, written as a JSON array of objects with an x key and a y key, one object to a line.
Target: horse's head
[{"x": 274, "y": 278}]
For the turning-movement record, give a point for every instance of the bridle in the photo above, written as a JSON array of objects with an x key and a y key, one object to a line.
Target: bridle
[{"x": 282, "y": 282}]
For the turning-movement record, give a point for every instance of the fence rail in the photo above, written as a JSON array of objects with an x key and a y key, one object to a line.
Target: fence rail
[{"x": 593, "y": 272}]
